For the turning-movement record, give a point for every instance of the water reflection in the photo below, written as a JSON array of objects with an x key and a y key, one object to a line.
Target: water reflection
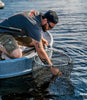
[{"x": 57, "y": 88}]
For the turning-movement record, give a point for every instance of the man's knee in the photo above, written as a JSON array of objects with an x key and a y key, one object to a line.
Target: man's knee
[{"x": 16, "y": 53}]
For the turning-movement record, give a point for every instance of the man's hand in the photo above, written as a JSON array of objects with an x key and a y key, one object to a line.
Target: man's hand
[
  {"x": 44, "y": 41},
  {"x": 55, "y": 71}
]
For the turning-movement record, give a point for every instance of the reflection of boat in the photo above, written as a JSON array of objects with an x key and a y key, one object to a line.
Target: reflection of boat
[
  {"x": 1, "y": 4},
  {"x": 15, "y": 74}
]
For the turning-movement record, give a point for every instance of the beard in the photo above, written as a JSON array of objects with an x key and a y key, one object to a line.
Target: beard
[{"x": 44, "y": 28}]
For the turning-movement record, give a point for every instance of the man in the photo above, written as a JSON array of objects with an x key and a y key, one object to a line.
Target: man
[{"x": 31, "y": 24}]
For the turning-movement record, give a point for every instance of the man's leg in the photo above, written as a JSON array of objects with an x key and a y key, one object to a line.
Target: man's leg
[{"x": 9, "y": 46}]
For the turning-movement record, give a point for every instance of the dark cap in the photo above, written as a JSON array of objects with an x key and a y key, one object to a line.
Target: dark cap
[{"x": 51, "y": 16}]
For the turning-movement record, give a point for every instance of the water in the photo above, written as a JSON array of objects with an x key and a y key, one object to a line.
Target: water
[{"x": 70, "y": 36}]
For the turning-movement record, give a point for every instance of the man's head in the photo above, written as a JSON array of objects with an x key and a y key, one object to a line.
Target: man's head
[{"x": 50, "y": 19}]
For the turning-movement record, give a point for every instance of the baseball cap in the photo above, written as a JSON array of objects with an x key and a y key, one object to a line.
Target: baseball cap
[{"x": 51, "y": 16}]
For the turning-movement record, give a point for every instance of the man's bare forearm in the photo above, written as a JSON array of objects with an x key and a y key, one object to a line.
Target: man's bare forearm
[
  {"x": 42, "y": 54},
  {"x": 45, "y": 61}
]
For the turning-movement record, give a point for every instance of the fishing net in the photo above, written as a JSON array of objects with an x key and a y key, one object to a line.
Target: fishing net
[
  {"x": 42, "y": 73},
  {"x": 41, "y": 78}
]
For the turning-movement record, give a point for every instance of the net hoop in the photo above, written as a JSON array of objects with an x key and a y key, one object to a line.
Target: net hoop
[{"x": 53, "y": 49}]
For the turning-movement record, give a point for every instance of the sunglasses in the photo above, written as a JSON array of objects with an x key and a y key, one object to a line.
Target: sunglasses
[{"x": 49, "y": 25}]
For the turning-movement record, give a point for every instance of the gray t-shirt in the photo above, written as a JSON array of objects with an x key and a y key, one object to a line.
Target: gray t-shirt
[{"x": 28, "y": 21}]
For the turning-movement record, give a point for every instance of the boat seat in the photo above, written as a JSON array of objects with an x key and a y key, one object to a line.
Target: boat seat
[{"x": 27, "y": 51}]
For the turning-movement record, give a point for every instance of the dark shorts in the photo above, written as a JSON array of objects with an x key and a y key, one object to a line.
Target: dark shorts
[
  {"x": 24, "y": 40},
  {"x": 8, "y": 42}
]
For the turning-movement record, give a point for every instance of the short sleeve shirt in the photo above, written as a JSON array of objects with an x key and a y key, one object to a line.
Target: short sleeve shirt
[{"x": 28, "y": 21}]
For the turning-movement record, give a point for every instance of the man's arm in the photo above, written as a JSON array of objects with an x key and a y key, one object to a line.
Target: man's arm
[
  {"x": 44, "y": 57},
  {"x": 41, "y": 52}
]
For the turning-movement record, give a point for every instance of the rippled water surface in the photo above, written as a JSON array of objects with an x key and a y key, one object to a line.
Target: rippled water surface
[{"x": 70, "y": 36}]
